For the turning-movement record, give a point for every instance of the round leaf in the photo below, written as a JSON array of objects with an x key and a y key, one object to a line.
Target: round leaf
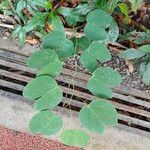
[
  {"x": 65, "y": 50},
  {"x": 88, "y": 61},
  {"x": 41, "y": 58},
  {"x": 53, "y": 69},
  {"x": 45, "y": 122},
  {"x": 97, "y": 115},
  {"x": 100, "y": 18},
  {"x": 99, "y": 89},
  {"x": 99, "y": 51},
  {"x": 94, "y": 32},
  {"x": 75, "y": 138},
  {"x": 107, "y": 76},
  {"x": 50, "y": 99},
  {"x": 53, "y": 39},
  {"x": 38, "y": 87}
]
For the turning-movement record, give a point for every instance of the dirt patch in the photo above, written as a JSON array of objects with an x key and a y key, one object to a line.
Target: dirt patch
[{"x": 13, "y": 140}]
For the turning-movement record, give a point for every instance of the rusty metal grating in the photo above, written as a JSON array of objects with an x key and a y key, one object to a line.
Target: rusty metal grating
[{"x": 133, "y": 105}]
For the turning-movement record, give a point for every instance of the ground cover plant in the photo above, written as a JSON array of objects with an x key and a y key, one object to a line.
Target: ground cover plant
[{"x": 98, "y": 20}]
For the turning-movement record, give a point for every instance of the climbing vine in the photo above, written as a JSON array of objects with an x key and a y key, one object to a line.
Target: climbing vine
[{"x": 48, "y": 62}]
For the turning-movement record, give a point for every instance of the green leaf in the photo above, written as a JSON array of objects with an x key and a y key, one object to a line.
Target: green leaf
[
  {"x": 57, "y": 24},
  {"x": 131, "y": 54},
  {"x": 16, "y": 31},
  {"x": 83, "y": 43},
  {"x": 50, "y": 99},
  {"x": 88, "y": 61},
  {"x": 22, "y": 37},
  {"x": 99, "y": 89},
  {"x": 102, "y": 80},
  {"x": 113, "y": 33},
  {"x": 75, "y": 138},
  {"x": 97, "y": 115},
  {"x": 53, "y": 69},
  {"x": 99, "y": 51},
  {"x": 96, "y": 51},
  {"x": 83, "y": 9},
  {"x": 145, "y": 48},
  {"x": 124, "y": 8},
  {"x": 135, "y": 4},
  {"x": 41, "y": 58},
  {"x": 38, "y": 87},
  {"x": 94, "y": 32},
  {"x": 146, "y": 75},
  {"x": 65, "y": 11},
  {"x": 54, "y": 39},
  {"x": 37, "y": 20},
  {"x": 65, "y": 50},
  {"x": 45, "y": 122},
  {"x": 20, "y": 6},
  {"x": 40, "y": 3},
  {"x": 99, "y": 18}
]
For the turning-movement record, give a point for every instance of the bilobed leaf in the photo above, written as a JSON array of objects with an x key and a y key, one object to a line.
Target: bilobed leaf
[
  {"x": 96, "y": 51},
  {"x": 50, "y": 99},
  {"x": 102, "y": 80},
  {"x": 53, "y": 69},
  {"x": 99, "y": 18},
  {"x": 99, "y": 89},
  {"x": 75, "y": 138},
  {"x": 45, "y": 122},
  {"x": 146, "y": 75},
  {"x": 94, "y": 32},
  {"x": 54, "y": 39},
  {"x": 41, "y": 58},
  {"x": 99, "y": 51},
  {"x": 108, "y": 76},
  {"x": 98, "y": 115},
  {"x": 145, "y": 48},
  {"x": 83, "y": 43},
  {"x": 132, "y": 54},
  {"x": 65, "y": 49},
  {"x": 38, "y": 87},
  {"x": 88, "y": 61}
]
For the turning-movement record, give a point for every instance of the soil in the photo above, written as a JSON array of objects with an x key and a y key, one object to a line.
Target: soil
[
  {"x": 14, "y": 140},
  {"x": 129, "y": 79}
]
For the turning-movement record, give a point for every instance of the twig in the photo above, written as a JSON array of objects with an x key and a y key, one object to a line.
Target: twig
[{"x": 6, "y": 26}]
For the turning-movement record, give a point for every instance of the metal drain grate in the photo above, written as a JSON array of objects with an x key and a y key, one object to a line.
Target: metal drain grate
[{"x": 133, "y": 105}]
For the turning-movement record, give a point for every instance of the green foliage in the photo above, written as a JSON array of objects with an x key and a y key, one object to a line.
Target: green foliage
[
  {"x": 45, "y": 122},
  {"x": 143, "y": 54},
  {"x": 96, "y": 51},
  {"x": 99, "y": 31},
  {"x": 98, "y": 115},
  {"x": 103, "y": 79},
  {"x": 75, "y": 138}
]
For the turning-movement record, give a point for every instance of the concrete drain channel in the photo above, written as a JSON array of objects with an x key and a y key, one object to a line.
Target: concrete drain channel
[{"x": 133, "y": 105}]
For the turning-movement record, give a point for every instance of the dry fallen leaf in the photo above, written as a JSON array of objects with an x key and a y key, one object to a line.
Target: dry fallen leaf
[
  {"x": 31, "y": 40},
  {"x": 129, "y": 65}
]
